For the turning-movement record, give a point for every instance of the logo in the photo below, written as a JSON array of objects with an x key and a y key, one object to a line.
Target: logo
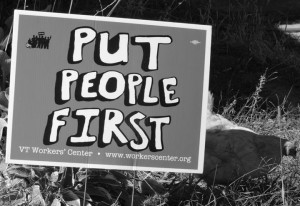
[{"x": 39, "y": 41}]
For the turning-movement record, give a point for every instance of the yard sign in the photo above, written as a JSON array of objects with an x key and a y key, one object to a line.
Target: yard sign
[{"x": 111, "y": 93}]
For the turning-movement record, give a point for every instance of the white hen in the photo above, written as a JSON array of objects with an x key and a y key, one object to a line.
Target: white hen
[{"x": 232, "y": 151}]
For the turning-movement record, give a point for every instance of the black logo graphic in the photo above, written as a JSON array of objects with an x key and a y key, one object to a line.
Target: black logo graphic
[{"x": 39, "y": 41}]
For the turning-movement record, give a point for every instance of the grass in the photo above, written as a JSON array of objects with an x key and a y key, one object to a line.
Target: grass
[{"x": 245, "y": 43}]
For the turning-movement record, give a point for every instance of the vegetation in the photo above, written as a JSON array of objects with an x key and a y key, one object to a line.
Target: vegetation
[{"x": 246, "y": 45}]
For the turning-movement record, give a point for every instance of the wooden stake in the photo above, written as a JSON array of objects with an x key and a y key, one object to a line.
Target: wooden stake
[
  {"x": 85, "y": 186},
  {"x": 132, "y": 195}
]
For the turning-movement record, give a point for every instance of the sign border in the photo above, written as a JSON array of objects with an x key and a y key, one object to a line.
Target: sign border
[{"x": 202, "y": 134}]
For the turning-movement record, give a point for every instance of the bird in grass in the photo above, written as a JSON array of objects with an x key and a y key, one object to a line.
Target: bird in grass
[
  {"x": 232, "y": 151},
  {"x": 231, "y": 154}
]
